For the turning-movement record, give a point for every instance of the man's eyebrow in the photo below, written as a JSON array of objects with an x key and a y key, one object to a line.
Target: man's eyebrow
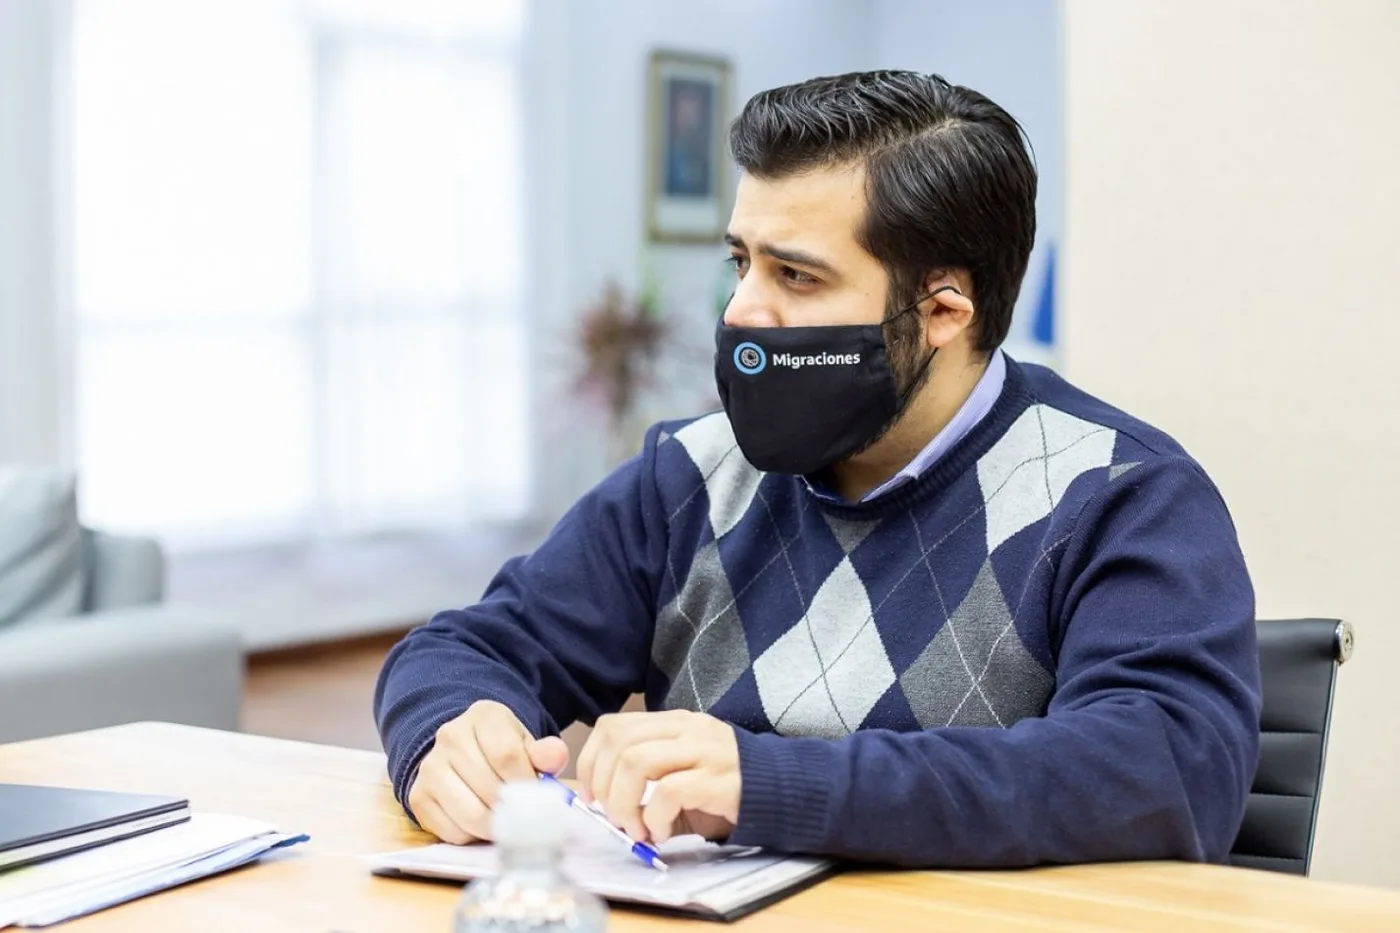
[{"x": 796, "y": 257}]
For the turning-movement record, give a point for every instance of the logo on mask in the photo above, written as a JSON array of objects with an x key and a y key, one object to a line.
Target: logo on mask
[
  {"x": 796, "y": 361},
  {"x": 750, "y": 358}
]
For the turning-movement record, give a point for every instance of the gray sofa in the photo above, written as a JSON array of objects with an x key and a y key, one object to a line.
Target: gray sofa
[{"x": 125, "y": 657}]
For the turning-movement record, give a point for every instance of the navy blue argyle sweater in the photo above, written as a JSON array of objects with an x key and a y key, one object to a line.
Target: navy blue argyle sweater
[{"x": 1040, "y": 651}]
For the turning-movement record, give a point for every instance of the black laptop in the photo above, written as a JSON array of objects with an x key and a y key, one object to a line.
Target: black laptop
[{"x": 44, "y": 822}]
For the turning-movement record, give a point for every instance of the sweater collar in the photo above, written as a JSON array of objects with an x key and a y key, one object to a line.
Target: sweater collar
[{"x": 951, "y": 462}]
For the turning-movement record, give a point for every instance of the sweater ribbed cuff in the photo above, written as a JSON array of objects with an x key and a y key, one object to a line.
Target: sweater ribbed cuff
[
  {"x": 786, "y": 799},
  {"x": 405, "y": 755}
]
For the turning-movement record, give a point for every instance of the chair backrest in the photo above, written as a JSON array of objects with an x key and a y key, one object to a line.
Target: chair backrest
[{"x": 1298, "y": 660}]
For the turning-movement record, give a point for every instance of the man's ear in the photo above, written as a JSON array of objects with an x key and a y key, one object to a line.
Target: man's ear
[{"x": 948, "y": 306}]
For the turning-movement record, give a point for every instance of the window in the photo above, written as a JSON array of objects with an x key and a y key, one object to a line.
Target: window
[{"x": 296, "y": 268}]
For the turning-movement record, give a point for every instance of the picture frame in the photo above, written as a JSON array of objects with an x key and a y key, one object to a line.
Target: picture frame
[{"x": 688, "y": 173}]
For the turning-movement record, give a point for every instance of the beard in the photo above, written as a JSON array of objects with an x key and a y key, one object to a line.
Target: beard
[{"x": 909, "y": 361}]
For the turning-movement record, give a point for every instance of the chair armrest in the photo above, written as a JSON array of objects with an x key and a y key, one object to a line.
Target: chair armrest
[
  {"x": 168, "y": 663},
  {"x": 123, "y": 571}
]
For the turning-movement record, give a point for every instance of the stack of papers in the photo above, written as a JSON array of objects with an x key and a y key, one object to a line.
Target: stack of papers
[
  {"x": 60, "y": 889},
  {"x": 704, "y": 879}
]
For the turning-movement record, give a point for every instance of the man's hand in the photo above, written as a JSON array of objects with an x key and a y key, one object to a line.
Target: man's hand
[
  {"x": 473, "y": 756},
  {"x": 692, "y": 757}
]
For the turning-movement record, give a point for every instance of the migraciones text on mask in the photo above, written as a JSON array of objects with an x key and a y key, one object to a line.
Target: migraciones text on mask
[{"x": 795, "y": 361}]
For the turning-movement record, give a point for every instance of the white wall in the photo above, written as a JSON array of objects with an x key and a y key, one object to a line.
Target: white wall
[
  {"x": 30, "y": 361},
  {"x": 1010, "y": 51},
  {"x": 1232, "y": 267}
]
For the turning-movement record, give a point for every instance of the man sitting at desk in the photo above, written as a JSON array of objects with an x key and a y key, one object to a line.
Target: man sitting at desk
[{"x": 905, "y": 600}]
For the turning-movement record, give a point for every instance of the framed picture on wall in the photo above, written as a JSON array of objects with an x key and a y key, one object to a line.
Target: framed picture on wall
[{"x": 688, "y": 167}]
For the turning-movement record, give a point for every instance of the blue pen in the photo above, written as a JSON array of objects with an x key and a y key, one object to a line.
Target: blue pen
[{"x": 641, "y": 850}]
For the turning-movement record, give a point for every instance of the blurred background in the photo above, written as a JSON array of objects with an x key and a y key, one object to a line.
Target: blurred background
[{"x": 312, "y": 312}]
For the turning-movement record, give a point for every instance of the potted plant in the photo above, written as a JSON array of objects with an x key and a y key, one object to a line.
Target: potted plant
[{"x": 620, "y": 340}]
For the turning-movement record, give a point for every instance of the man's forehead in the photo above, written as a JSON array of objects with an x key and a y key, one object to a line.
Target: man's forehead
[{"x": 825, "y": 205}]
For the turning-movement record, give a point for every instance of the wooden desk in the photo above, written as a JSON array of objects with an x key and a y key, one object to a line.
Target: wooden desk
[{"x": 342, "y": 799}]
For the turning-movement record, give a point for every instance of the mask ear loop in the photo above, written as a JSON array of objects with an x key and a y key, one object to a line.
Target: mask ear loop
[{"x": 923, "y": 370}]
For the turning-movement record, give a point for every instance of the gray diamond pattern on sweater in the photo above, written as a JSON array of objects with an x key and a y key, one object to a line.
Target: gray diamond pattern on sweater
[
  {"x": 827, "y": 671},
  {"x": 976, "y": 672}
]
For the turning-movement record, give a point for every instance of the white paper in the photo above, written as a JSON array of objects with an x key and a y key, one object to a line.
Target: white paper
[
  {"x": 695, "y": 866},
  {"x": 597, "y": 862},
  {"x": 137, "y": 862},
  {"x": 89, "y": 900}
]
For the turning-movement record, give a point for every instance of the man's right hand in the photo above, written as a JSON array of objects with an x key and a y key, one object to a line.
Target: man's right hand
[{"x": 472, "y": 757}]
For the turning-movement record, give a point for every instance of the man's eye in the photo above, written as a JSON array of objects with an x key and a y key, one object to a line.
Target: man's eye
[
  {"x": 740, "y": 264},
  {"x": 797, "y": 276}
]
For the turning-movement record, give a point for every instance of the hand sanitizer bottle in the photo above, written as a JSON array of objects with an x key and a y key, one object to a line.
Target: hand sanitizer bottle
[{"x": 529, "y": 891}]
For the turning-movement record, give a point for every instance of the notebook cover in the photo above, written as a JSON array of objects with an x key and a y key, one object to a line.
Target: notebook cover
[
  {"x": 32, "y": 815},
  {"x": 725, "y": 897}
]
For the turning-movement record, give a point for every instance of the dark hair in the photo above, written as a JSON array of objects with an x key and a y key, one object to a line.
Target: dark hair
[{"x": 949, "y": 179}]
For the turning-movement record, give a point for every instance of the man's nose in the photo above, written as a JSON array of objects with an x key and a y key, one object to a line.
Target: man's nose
[{"x": 749, "y": 306}]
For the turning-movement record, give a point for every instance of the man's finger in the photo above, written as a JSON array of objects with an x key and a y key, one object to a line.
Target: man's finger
[
  {"x": 621, "y": 792},
  {"x": 618, "y": 731},
  {"x": 503, "y": 745},
  {"x": 462, "y": 805},
  {"x": 469, "y": 766},
  {"x": 431, "y": 817},
  {"x": 670, "y": 796},
  {"x": 548, "y": 755}
]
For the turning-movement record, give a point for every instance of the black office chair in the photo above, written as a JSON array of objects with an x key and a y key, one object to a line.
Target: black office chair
[{"x": 1298, "y": 659}]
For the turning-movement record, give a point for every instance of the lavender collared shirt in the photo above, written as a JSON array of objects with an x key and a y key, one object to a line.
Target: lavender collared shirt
[{"x": 984, "y": 396}]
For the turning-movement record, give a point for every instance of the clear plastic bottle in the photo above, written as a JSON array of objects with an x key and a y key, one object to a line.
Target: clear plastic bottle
[{"x": 530, "y": 891}]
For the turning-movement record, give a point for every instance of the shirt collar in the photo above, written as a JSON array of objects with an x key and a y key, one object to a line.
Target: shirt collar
[{"x": 984, "y": 395}]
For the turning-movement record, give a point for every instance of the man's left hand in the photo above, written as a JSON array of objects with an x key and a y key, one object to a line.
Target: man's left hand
[{"x": 692, "y": 757}]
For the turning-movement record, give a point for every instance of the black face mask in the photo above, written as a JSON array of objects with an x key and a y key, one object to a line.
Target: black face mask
[{"x": 802, "y": 398}]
